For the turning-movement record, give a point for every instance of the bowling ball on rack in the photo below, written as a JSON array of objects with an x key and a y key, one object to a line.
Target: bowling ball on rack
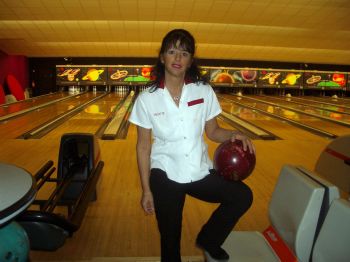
[{"x": 232, "y": 162}]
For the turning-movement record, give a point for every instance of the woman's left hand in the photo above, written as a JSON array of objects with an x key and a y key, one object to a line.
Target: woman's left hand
[{"x": 247, "y": 143}]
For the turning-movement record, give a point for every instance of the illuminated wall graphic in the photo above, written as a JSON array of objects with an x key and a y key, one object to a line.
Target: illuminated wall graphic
[
  {"x": 291, "y": 79},
  {"x": 67, "y": 75},
  {"x": 324, "y": 80},
  {"x": 117, "y": 75},
  {"x": 245, "y": 77},
  {"x": 268, "y": 78},
  {"x": 216, "y": 76},
  {"x": 222, "y": 76},
  {"x": 339, "y": 78},
  {"x": 143, "y": 74},
  {"x": 94, "y": 75}
]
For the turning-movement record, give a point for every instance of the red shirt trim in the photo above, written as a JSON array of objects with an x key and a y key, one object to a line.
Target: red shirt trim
[{"x": 162, "y": 82}]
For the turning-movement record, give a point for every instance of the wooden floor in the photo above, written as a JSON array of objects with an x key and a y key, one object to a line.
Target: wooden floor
[{"x": 115, "y": 227}]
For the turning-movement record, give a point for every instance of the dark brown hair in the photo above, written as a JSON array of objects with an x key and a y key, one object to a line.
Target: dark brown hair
[{"x": 187, "y": 42}]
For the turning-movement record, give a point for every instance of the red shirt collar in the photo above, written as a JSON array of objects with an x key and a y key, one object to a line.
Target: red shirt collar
[{"x": 162, "y": 82}]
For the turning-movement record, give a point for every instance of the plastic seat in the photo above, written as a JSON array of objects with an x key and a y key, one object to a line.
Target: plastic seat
[
  {"x": 10, "y": 99},
  {"x": 333, "y": 241},
  {"x": 15, "y": 87},
  {"x": 293, "y": 211},
  {"x": 332, "y": 191}
]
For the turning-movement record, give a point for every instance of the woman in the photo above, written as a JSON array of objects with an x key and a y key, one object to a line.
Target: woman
[{"x": 171, "y": 117}]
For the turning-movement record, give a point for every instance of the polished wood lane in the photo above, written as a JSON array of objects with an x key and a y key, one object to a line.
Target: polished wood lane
[
  {"x": 339, "y": 101},
  {"x": 317, "y": 123},
  {"x": 91, "y": 118},
  {"x": 282, "y": 129},
  {"x": 29, "y": 103},
  {"x": 322, "y": 109},
  {"x": 115, "y": 225},
  {"x": 14, "y": 127}
]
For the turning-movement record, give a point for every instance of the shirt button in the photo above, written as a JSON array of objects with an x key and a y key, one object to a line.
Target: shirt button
[
  {"x": 185, "y": 137},
  {"x": 186, "y": 155}
]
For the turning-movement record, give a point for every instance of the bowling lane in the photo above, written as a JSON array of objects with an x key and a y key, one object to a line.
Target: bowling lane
[
  {"x": 282, "y": 129},
  {"x": 91, "y": 118},
  {"x": 312, "y": 106},
  {"x": 327, "y": 113},
  {"x": 301, "y": 118},
  {"x": 340, "y": 102},
  {"x": 14, "y": 127},
  {"x": 29, "y": 103}
]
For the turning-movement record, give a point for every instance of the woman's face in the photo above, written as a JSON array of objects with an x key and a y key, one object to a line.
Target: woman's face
[{"x": 176, "y": 61}]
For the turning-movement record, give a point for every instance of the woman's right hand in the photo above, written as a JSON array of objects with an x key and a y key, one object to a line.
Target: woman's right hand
[{"x": 147, "y": 203}]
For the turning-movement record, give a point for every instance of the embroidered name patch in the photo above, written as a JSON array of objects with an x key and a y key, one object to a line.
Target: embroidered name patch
[
  {"x": 159, "y": 114},
  {"x": 195, "y": 102}
]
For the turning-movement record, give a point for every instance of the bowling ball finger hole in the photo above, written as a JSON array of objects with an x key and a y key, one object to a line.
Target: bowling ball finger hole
[{"x": 9, "y": 256}]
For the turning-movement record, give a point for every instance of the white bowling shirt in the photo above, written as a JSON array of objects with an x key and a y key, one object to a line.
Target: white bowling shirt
[{"x": 178, "y": 147}]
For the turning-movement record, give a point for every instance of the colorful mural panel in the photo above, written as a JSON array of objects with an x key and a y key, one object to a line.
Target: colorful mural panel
[
  {"x": 67, "y": 75},
  {"x": 93, "y": 75}
]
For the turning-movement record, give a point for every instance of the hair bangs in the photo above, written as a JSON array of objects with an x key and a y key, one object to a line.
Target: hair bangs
[{"x": 179, "y": 39}]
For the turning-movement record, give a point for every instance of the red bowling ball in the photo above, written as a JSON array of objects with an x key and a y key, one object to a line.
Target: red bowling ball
[{"x": 232, "y": 162}]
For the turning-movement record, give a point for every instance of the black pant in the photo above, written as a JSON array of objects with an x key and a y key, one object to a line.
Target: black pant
[{"x": 235, "y": 198}]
